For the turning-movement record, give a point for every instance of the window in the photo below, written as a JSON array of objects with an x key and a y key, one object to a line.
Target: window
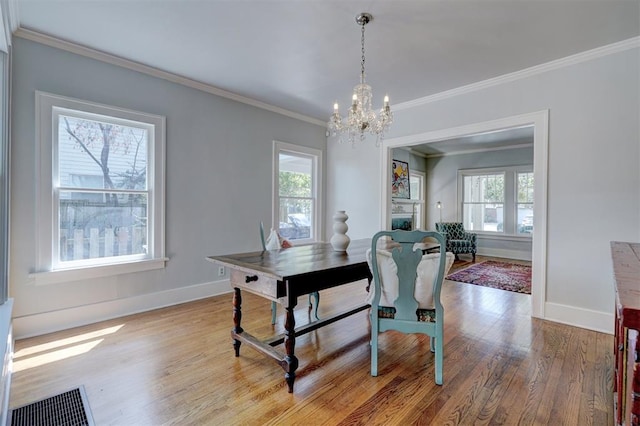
[
  {"x": 101, "y": 190},
  {"x": 498, "y": 201},
  {"x": 525, "y": 202},
  {"x": 416, "y": 185},
  {"x": 483, "y": 201},
  {"x": 4, "y": 175},
  {"x": 297, "y": 192}
]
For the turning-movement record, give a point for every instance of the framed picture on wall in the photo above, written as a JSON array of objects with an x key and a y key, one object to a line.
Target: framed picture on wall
[{"x": 400, "y": 179}]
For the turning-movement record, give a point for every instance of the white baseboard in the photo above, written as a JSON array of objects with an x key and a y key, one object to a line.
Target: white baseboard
[
  {"x": 48, "y": 322},
  {"x": 602, "y": 322},
  {"x": 507, "y": 254}
]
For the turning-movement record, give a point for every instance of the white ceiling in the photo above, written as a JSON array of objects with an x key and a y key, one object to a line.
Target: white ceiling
[
  {"x": 490, "y": 141},
  {"x": 305, "y": 55}
]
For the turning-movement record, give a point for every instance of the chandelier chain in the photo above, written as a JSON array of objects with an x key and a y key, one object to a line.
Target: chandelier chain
[{"x": 362, "y": 61}]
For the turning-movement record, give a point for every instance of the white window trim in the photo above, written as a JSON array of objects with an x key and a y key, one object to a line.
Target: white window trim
[
  {"x": 423, "y": 186},
  {"x": 44, "y": 272},
  {"x": 317, "y": 187},
  {"x": 510, "y": 197}
]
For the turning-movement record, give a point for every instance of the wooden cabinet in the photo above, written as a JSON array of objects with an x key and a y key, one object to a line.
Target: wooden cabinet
[{"x": 626, "y": 268}]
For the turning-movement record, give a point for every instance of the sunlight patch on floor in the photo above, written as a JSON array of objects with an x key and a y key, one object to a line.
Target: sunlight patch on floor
[
  {"x": 37, "y": 355},
  {"x": 32, "y": 350},
  {"x": 38, "y": 360}
]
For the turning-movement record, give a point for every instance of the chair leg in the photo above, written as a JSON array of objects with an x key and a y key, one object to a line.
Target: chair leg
[
  {"x": 274, "y": 311},
  {"x": 439, "y": 354},
  {"x": 474, "y": 257},
  {"x": 316, "y": 296},
  {"x": 374, "y": 343}
]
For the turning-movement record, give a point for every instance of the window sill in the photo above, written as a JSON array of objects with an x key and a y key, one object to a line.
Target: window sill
[{"x": 89, "y": 272}]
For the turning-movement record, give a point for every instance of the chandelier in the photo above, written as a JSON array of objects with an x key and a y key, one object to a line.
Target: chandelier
[{"x": 361, "y": 117}]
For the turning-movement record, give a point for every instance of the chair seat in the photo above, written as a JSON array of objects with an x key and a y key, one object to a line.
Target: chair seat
[{"x": 423, "y": 315}]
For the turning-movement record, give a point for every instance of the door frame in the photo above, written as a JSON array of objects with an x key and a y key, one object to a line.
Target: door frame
[{"x": 540, "y": 122}]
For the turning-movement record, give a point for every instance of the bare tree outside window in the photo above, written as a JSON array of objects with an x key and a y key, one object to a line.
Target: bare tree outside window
[{"x": 102, "y": 174}]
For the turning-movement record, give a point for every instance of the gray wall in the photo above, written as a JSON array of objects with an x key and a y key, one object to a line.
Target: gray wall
[
  {"x": 593, "y": 162},
  {"x": 442, "y": 185},
  {"x": 416, "y": 162},
  {"x": 218, "y": 185}
]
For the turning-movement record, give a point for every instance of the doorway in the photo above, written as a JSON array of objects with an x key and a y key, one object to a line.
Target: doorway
[{"x": 540, "y": 122}]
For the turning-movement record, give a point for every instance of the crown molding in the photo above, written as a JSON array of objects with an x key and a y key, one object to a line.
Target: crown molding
[
  {"x": 477, "y": 150},
  {"x": 527, "y": 72},
  {"x": 463, "y": 151},
  {"x": 154, "y": 72},
  {"x": 8, "y": 22}
]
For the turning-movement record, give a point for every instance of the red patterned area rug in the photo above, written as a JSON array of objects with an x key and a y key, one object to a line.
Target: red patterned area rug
[{"x": 500, "y": 275}]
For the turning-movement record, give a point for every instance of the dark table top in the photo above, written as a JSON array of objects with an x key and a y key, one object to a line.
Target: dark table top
[{"x": 298, "y": 260}]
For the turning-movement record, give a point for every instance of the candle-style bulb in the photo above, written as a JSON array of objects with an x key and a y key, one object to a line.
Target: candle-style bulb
[
  {"x": 335, "y": 107},
  {"x": 355, "y": 99},
  {"x": 386, "y": 100}
]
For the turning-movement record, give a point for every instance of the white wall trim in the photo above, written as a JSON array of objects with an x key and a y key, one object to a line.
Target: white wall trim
[
  {"x": 475, "y": 151},
  {"x": 48, "y": 322},
  {"x": 525, "y": 73},
  {"x": 6, "y": 351},
  {"x": 540, "y": 121},
  {"x": 154, "y": 72},
  {"x": 602, "y": 322},
  {"x": 505, "y": 253}
]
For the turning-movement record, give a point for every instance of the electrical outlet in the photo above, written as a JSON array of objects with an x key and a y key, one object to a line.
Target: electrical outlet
[{"x": 220, "y": 271}]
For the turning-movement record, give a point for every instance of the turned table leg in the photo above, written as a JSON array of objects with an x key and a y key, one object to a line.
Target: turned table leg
[
  {"x": 289, "y": 344},
  {"x": 237, "y": 317}
]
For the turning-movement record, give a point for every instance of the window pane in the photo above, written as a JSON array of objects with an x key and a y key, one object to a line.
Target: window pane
[
  {"x": 415, "y": 185},
  {"x": 525, "y": 218},
  {"x": 483, "y": 217},
  {"x": 525, "y": 203},
  {"x": 484, "y": 188},
  {"x": 415, "y": 188},
  {"x": 295, "y": 218},
  {"x": 525, "y": 187},
  {"x": 101, "y": 155},
  {"x": 114, "y": 225},
  {"x": 483, "y": 204},
  {"x": 295, "y": 176}
]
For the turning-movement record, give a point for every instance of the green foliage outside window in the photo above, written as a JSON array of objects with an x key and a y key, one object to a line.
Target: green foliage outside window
[{"x": 295, "y": 184}]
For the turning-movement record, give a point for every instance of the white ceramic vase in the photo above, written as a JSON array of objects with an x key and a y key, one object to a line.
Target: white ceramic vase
[{"x": 340, "y": 240}]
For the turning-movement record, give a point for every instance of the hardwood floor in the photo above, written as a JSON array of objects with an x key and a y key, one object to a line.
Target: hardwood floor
[{"x": 176, "y": 366}]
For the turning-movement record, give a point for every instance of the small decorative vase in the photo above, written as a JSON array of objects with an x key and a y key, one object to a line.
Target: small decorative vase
[{"x": 340, "y": 240}]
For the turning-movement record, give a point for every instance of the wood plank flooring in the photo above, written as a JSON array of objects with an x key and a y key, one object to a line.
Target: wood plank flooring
[{"x": 176, "y": 366}]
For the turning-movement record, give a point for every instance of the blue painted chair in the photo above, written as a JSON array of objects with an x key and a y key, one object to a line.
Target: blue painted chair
[
  {"x": 274, "y": 305},
  {"x": 406, "y": 290}
]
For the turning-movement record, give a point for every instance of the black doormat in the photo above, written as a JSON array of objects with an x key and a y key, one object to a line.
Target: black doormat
[{"x": 66, "y": 409}]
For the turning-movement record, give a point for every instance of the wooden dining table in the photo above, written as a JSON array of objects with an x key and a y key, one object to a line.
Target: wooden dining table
[{"x": 284, "y": 275}]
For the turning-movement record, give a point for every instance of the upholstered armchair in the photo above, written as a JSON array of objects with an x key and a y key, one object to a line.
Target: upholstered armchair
[{"x": 458, "y": 240}]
